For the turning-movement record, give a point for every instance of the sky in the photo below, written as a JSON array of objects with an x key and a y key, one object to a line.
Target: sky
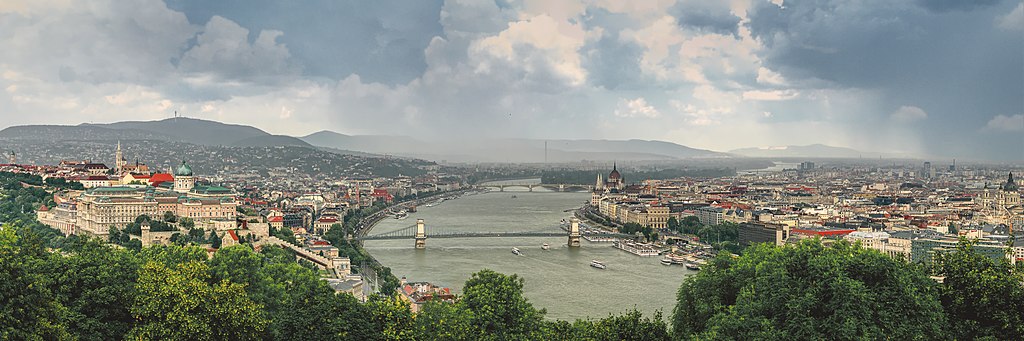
[{"x": 933, "y": 78}]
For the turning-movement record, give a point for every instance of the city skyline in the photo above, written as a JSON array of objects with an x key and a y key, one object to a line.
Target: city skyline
[{"x": 922, "y": 78}]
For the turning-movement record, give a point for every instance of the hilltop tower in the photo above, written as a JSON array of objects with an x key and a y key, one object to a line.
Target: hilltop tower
[
  {"x": 119, "y": 160},
  {"x": 12, "y": 159},
  {"x": 183, "y": 180}
]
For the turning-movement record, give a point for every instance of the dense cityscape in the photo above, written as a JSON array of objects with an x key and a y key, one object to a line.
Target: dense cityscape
[
  {"x": 910, "y": 214},
  {"x": 594, "y": 170}
]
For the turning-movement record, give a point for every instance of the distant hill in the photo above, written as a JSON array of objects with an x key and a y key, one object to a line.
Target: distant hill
[
  {"x": 509, "y": 150},
  {"x": 211, "y": 133},
  {"x": 79, "y": 133},
  {"x": 379, "y": 144},
  {"x": 188, "y": 130},
  {"x": 271, "y": 140},
  {"x": 814, "y": 150},
  {"x": 191, "y": 130}
]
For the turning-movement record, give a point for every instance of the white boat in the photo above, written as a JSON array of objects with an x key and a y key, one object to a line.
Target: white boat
[
  {"x": 666, "y": 261},
  {"x": 516, "y": 251},
  {"x": 692, "y": 266},
  {"x": 545, "y": 246},
  {"x": 598, "y": 264}
]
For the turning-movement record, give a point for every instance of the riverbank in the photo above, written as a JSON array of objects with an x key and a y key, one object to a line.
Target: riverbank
[
  {"x": 370, "y": 267},
  {"x": 559, "y": 279}
]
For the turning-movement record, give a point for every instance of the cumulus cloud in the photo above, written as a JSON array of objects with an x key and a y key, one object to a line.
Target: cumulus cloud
[
  {"x": 637, "y": 107},
  {"x": 223, "y": 49},
  {"x": 822, "y": 71},
  {"x": 1003, "y": 123},
  {"x": 908, "y": 113},
  {"x": 1013, "y": 21}
]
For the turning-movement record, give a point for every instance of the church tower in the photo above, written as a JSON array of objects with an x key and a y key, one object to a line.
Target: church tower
[
  {"x": 119, "y": 160},
  {"x": 12, "y": 159}
]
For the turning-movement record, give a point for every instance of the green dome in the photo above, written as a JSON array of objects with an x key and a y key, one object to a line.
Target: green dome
[{"x": 183, "y": 170}]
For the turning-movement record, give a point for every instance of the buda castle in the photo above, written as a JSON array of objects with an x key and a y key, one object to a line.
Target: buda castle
[{"x": 94, "y": 210}]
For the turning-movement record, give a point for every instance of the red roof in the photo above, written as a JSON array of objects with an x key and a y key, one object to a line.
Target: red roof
[
  {"x": 44, "y": 208},
  {"x": 327, "y": 220},
  {"x": 233, "y": 235},
  {"x": 159, "y": 178},
  {"x": 276, "y": 219}
]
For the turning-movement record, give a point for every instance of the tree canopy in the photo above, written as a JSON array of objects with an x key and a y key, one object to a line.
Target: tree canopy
[{"x": 809, "y": 291}]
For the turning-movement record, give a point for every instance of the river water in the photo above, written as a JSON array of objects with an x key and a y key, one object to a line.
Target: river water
[{"x": 559, "y": 280}]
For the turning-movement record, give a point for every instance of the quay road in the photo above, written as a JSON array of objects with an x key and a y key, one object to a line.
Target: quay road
[{"x": 366, "y": 224}]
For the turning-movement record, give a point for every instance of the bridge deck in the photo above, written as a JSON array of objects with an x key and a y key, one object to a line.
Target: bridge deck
[{"x": 488, "y": 235}]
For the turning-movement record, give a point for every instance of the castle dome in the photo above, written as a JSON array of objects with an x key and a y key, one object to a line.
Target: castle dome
[
  {"x": 183, "y": 170},
  {"x": 614, "y": 175}
]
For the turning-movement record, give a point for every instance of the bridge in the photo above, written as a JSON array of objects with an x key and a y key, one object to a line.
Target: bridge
[
  {"x": 419, "y": 233},
  {"x": 530, "y": 186}
]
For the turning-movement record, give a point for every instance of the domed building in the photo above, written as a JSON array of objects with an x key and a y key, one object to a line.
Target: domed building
[
  {"x": 615, "y": 181},
  {"x": 183, "y": 180}
]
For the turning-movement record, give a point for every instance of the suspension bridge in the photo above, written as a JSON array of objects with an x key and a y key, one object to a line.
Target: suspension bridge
[{"x": 419, "y": 233}]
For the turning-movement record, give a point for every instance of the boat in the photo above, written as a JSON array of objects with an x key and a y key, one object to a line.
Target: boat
[
  {"x": 513, "y": 197},
  {"x": 639, "y": 249},
  {"x": 401, "y": 215},
  {"x": 666, "y": 261},
  {"x": 692, "y": 266},
  {"x": 598, "y": 264},
  {"x": 545, "y": 246},
  {"x": 515, "y": 251}
]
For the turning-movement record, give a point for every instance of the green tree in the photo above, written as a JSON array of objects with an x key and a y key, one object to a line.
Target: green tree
[
  {"x": 443, "y": 321},
  {"x": 170, "y": 217},
  {"x": 673, "y": 224},
  {"x": 96, "y": 283},
  {"x": 982, "y": 297},
  {"x": 177, "y": 302},
  {"x": 392, "y": 317},
  {"x": 809, "y": 291},
  {"x": 28, "y": 311},
  {"x": 497, "y": 309}
]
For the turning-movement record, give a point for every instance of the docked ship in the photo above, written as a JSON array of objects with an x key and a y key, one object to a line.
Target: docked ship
[
  {"x": 639, "y": 249},
  {"x": 516, "y": 251},
  {"x": 692, "y": 266},
  {"x": 598, "y": 264}
]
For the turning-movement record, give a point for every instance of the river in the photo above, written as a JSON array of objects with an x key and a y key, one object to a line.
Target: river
[{"x": 559, "y": 280}]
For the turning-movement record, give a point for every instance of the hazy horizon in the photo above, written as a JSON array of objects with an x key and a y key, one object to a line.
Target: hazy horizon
[{"x": 921, "y": 78}]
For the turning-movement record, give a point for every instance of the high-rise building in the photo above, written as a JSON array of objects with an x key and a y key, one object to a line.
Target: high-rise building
[{"x": 927, "y": 172}]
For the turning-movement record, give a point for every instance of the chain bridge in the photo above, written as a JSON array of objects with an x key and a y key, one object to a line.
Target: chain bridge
[{"x": 419, "y": 233}]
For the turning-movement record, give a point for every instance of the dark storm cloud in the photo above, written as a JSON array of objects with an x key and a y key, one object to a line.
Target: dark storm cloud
[
  {"x": 613, "y": 63},
  {"x": 382, "y": 41},
  {"x": 956, "y": 5},
  {"x": 709, "y": 16},
  {"x": 959, "y": 66}
]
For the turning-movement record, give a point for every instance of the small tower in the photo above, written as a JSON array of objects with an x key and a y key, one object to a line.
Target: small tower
[
  {"x": 146, "y": 241},
  {"x": 119, "y": 160},
  {"x": 574, "y": 232},
  {"x": 421, "y": 234},
  {"x": 12, "y": 159}
]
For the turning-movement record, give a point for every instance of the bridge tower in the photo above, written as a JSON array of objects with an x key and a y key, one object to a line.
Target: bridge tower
[
  {"x": 574, "y": 232},
  {"x": 421, "y": 235}
]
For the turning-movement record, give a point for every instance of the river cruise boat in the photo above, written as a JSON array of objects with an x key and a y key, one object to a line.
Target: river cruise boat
[
  {"x": 639, "y": 249},
  {"x": 516, "y": 251},
  {"x": 693, "y": 266},
  {"x": 666, "y": 261},
  {"x": 598, "y": 264}
]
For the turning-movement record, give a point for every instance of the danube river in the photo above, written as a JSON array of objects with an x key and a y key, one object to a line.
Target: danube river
[{"x": 559, "y": 280}]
